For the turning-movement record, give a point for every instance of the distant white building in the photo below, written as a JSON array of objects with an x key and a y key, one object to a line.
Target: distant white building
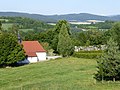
[
  {"x": 34, "y": 51},
  {"x": 86, "y": 22},
  {"x": 78, "y": 23},
  {"x": 94, "y": 21}
]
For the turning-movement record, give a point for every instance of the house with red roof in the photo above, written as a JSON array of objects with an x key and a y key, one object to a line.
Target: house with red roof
[{"x": 34, "y": 51}]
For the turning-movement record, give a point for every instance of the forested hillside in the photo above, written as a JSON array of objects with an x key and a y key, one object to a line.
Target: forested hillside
[
  {"x": 33, "y": 16},
  {"x": 55, "y": 18}
]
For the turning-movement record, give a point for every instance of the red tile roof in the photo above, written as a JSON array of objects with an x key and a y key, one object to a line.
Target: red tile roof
[{"x": 31, "y": 47}]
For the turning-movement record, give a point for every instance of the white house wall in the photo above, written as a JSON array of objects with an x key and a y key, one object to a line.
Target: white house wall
[
  {"x": 32, "y": 59},
  {"x": 41, "y": 56}
]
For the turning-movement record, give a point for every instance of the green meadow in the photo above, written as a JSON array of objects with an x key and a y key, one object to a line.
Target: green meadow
[
  {"x": 60, "y": 74},
  {"x": 7, "y": 26}
]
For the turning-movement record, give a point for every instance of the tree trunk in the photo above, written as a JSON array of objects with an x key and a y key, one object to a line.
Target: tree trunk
[
  {"x": 113, "y": 79},
  {"x": 102, "y": 80},
  {"x": 102, "y": 77}
]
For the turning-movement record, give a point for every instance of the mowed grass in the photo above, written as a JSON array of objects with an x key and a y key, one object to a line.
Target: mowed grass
[{"x": 61, "y": 74}]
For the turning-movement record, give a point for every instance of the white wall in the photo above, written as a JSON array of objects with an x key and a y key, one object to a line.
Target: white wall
[
  {"x": 32, "y": 59},
  {"x": 41, "y": 56}
]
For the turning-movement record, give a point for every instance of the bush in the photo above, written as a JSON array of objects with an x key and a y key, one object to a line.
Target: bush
[{"x": 87, "y": 54}]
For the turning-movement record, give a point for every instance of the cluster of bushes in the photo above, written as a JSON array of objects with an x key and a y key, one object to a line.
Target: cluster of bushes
[{"x": 87, "y": 54}]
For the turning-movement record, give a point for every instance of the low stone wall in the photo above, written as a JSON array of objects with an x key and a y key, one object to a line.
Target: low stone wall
[{"x": 53, "y": 57}]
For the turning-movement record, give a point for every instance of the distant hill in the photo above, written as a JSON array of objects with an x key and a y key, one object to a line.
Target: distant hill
[
  {"x": 79, "y": 17},
  {"x": 54, "y": 18},
  {"x": 115, "y": 18},
  {"x": 84, "y": 17},
  {"x": 33, "y": 16}
]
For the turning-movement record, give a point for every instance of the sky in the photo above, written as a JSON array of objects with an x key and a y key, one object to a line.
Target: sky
[{"x": 52, "y": 7}]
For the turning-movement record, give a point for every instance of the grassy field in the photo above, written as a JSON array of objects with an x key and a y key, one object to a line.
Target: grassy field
[
  {"x": 6, "y": 26},
  {"x": 6, "y": 20},
  {"x": 60, "y": 74}
]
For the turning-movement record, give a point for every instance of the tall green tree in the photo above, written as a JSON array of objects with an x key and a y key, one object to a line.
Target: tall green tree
[
  {"x": 59, "y": 25},
  {"x": 116, "y": 33},
  {"x": 65, "y": 46},
  {"x": 0, "y": 25},
  {"x": 57, "y": 31},
  {"x": 109, "y": 63},
  {"x": 10, "y": 50}
]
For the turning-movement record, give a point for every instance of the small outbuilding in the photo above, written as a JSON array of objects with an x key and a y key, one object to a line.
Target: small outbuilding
[{"x": 34, "y": 51}]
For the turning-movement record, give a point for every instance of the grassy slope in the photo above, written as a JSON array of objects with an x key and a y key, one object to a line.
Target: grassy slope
[{"x": 61, "y": 74}]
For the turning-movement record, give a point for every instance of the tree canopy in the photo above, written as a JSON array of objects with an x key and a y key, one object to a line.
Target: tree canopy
[{"x": 10, "y": 50}]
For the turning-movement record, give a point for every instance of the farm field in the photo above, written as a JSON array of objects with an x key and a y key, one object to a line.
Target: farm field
[{"x": 60, "y": 74}]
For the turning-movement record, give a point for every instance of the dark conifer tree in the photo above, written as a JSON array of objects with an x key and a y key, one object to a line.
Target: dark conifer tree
[
  {"x": 65, "y": 46},
  {"x": 10, "y": 50},
  {"x": 109, "y": 63}
]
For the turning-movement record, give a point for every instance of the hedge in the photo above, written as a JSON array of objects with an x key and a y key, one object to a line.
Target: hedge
[
  {"x": 88, "y": 55},
  {"x": 99, "y": 51}
]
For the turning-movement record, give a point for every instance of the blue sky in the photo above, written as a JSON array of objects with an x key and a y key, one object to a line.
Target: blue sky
[{"x": 50, "y": 7}]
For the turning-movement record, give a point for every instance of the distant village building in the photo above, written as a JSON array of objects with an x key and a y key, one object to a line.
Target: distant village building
[{"x": 34, "y": 51}]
